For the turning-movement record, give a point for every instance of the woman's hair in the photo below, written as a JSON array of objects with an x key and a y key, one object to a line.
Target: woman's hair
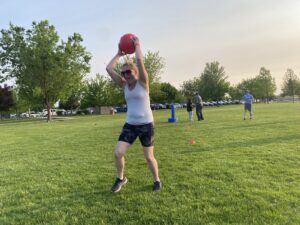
[{"x": 131, "y": 64}]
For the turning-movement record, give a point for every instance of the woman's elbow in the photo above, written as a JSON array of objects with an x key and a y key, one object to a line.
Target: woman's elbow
[{"x": 108, "y": 69}]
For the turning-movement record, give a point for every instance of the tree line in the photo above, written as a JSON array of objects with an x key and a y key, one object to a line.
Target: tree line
[{"x": 47, "y": 69}]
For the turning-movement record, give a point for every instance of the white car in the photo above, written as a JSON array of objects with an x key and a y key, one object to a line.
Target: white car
[
  {"x": 13, "y": 116},
  {"x": 53, "y": 112},
  {"x": 24, "y": 115},
  {"x": 35, "y": 114},
  {"x": 177, "y": 105}
]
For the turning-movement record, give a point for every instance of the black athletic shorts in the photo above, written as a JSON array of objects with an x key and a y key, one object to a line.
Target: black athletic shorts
[
  {"x": 247, "y": 107},
  {"x": 145, "y": 133}
]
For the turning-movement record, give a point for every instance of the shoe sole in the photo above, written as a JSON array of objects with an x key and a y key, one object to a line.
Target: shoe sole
[{"x": 120, "y": 187}]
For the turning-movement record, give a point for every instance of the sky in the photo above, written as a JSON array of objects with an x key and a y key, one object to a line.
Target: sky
[{"x": 242, "y": 35}]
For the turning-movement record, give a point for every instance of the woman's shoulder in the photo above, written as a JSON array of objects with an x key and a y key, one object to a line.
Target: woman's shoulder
[{"x": 145, "y": 86}]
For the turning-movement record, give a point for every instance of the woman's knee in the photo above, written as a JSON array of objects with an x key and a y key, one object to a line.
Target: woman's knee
[
  {"x": 121, "y": 149},
  {"x": 149, "y": 158},
  {"x": 118, "y": 154}
]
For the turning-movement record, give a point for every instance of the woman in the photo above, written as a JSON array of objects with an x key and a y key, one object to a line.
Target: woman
[{"x": 139, "y": 122}]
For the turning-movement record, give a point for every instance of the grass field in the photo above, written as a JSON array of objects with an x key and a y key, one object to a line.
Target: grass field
[{"x": 238, "y": 172}]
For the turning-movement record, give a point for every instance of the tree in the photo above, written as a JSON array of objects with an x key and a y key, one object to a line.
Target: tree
[
  {"x": 94, "y": 93},
  {"x": 213, "y": 82},
  {"x": 154, "y": 65},
  {"x": 235, "y": 92},
  {"x": 190, "y": 88},
  {"x": 6, "y": 99},
  {"x": 291, "y": 84},
  {"x": 72, "y": 102},
  {"x": 249, "y": 84},
  {"x": 239, "y": 90},
  {"x": 265, "y": 85},
  {"x": 22, "y": 103},
  {"x": 156, "y": 94},
  {"x": 115, "y": 94},
  {"x": 38, "y": 62},
  {"x": 30, "y": 98},
  {"x": 170, "y": 92}
]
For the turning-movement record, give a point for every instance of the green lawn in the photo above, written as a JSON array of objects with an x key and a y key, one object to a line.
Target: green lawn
[{"x": 238, "y": 172}]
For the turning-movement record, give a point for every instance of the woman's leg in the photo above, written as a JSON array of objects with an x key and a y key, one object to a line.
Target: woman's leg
[
  {"x": 120, "y": 151},
  {"x": 152, "y": 163},
  {"x": 198, "y": 112},
  {"x": 201, "y": 114},
  {"x": 190, "y": 115}
]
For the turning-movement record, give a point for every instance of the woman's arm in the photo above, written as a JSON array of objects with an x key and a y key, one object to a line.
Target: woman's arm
[
  {"x": 117, "y": 78},
  {"x": 143, "y": 75}
]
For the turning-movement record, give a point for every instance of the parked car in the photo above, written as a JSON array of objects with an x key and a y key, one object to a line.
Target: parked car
[
  {"x": 53, "y": 112},
  {"x": 13, "y": 116},
  {"x": 236, "y": 102},
  {"x": 61, "y": 112},
  {"x": 24, "y": 115},
  {"x": 177, "y": 105},
  {"x": 71, "y": 112},
  {"x": 121, "y": 108},
  {"x": 154, "y": 106},
  {"x": 35, "y": 114},
  {"x": 162, "y": 106},
  {"x": 220, "y": 102},
  {"x": 168, "y": 105}
]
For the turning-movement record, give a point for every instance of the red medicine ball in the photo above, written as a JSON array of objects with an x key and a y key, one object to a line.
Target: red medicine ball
[{"x": 126, "y": 44}]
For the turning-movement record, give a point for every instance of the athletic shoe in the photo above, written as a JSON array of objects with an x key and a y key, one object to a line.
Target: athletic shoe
[
  {"x": 118, "y": 184},
  {"x": 157, "y": 186}
]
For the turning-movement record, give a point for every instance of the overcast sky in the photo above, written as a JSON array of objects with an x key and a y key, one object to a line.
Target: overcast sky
[{"x": 243, "y": 35}]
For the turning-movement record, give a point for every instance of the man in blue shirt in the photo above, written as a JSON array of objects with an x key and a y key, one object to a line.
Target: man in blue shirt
[{"x": 248, "y": 104}]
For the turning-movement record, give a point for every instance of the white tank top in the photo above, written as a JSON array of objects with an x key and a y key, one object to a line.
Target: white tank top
[{"x": 138, "y": 105}]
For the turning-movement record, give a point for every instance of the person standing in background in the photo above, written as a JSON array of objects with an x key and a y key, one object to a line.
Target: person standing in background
[
  {"x": 199, "y": 106},
  {"x": 248, "y": 98},
  {"x": 189, "y": 108}
]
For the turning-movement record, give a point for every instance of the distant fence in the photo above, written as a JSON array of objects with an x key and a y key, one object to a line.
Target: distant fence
[
  {"x": 287, "y": 99},
  {"x": 103, "y": 110}
]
